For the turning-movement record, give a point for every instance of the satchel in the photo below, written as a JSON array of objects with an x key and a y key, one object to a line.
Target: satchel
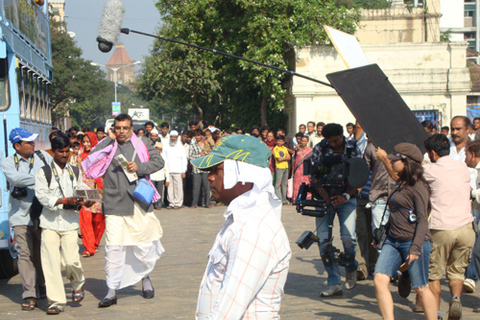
[
  {"x": 144, "y": 191},
  {"x": 380, "y": 234}
]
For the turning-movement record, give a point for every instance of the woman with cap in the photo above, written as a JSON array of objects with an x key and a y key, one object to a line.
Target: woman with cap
[{"x": 408, "y": 236}]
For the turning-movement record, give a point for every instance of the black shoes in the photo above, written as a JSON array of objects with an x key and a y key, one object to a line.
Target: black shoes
[
  {"x": 148, "y": 294},
  {"x": 106, "y": 302}
]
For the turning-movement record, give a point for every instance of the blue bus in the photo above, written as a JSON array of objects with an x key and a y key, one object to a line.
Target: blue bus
[{"x": 25, "y": 76}]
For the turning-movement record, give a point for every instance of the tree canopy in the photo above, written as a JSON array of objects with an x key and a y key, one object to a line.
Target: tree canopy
[{"x": 222, "y": 90}]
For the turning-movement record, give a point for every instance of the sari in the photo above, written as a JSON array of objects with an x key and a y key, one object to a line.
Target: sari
[
  {"x": 298, "y": 177},
  {"x": 92, "y": 220}
]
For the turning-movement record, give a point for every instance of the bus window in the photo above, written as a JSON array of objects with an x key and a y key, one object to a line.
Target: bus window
[{"x": 4, "y": 89}]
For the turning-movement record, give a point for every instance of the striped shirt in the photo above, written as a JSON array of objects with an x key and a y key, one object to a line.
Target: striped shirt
[{"x": 247, "y": 265}]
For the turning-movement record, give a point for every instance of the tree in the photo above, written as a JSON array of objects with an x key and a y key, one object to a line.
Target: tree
[
  {"x": 222, "y": 89},
  {"x": 77, "y": 86}
]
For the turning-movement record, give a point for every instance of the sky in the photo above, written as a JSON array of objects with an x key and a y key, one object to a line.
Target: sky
[{"x": 83, "y": 18}]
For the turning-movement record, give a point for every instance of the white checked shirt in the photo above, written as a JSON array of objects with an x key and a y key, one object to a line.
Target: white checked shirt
[{"x": 247, "y": 265}]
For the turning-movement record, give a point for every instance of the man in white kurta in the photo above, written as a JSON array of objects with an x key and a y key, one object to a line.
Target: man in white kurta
[
  {"x": 132, "y": 232},
  {"x": 176, "y": 162},
  {"x": 248, "y": 263}
]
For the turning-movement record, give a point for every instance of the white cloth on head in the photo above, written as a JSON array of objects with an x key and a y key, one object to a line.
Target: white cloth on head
[
  {"x": 174, "y": 133},
  {"x": 239, "y": 171}
]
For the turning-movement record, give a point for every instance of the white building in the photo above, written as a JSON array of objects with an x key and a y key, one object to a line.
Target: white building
[{"x": 428, "y": 74}]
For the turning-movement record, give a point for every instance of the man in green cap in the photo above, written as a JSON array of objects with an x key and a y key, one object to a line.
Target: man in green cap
[{"x": 248, "y": 263}]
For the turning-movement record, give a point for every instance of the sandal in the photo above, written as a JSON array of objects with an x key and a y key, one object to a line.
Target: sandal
[
  {"x": 87, "y": 254},
  {"x": 53, "y": 310},
  {"x": 29, "y": 304},
  {"x": 77, "y": 297}
]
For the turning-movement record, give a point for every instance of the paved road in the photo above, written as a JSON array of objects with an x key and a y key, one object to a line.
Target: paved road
[{"x": 188, "y": 236}]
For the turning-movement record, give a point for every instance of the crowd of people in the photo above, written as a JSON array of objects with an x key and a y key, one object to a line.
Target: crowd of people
[{"x": 427, "y": 205}]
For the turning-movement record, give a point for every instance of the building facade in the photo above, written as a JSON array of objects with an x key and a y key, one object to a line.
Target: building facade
[{"x": 428, "y": 74}]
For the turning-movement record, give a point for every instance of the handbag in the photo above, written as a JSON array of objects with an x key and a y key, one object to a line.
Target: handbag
[{"x": 144, "y": 190}]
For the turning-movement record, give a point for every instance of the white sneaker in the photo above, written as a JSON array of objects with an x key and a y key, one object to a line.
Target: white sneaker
[
  {"x": 331, "y": 291},
  {"x": 351, "y": 280},
  {"x": 469, "y": 285}
]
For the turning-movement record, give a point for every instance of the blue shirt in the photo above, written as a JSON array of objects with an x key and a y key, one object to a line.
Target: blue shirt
[{"x": 24, "y": 177}]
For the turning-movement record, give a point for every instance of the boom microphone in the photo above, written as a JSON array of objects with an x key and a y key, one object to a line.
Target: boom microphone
[{"x": 110, "y": 24}]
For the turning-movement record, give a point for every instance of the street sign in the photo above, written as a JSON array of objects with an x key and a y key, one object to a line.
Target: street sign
[{"x": 116, "y": 108}]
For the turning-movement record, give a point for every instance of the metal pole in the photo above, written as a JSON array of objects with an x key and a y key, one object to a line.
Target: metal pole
[
  {"x": 292, "y": 73},
  {"x": 115, "y": 78}
]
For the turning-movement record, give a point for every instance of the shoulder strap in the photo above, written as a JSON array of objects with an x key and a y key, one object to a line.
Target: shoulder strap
[
  {"x": 48, "y": 173},
  {"x": 386, "y": 205},
  {"x": 40, "y": 155},
  {"x": 76, "y": 170}
]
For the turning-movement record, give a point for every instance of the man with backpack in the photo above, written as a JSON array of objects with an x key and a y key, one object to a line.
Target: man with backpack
[
  {"x": 20, "y": 169},
  {"x": 55, "y": 186}
]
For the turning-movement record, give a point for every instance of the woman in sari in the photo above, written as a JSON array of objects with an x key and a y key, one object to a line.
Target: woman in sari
[
  {"x": 92, "y": 220},
  {"x": 303, "y": 152},
  {"x": 270, "y": 142}
]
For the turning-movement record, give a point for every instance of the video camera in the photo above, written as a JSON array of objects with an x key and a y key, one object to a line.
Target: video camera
[{"x": 334, "y": 174}]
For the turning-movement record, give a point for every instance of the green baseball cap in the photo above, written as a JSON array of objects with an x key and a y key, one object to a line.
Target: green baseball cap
[{"x": 237, "y": 147}]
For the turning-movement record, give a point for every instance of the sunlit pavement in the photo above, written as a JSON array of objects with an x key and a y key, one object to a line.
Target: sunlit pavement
[{"x": 188, "y": 236}]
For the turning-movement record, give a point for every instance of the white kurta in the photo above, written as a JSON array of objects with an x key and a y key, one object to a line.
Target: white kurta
[{"x": 131, "y": 248}]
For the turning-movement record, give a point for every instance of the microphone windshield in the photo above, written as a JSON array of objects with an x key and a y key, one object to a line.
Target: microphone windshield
[{"x": 110, "y": 25}]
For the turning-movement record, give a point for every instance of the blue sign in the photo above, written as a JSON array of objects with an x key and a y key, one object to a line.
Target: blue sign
[{"x": 116, "y": 108}]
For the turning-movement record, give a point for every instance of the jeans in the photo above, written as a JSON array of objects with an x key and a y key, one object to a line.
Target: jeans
[
  {"x": 281, "y": 179},
  {"x": 395, "y": 252},
  {"x": 199, "y": 180},
  {"x": 366, "y": 254},
  {"x": 346, "y": 215},
  {"x": 377, "y": 213},
  {"x": 471, "y": 271}
]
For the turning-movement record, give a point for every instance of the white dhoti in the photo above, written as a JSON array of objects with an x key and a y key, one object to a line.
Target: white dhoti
[{"x": 132, "y": 247}]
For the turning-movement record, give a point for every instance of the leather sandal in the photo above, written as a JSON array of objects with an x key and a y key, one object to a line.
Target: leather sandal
[
  {"x": 77, "y": 297},
  {"x": 53, "y": 310},
  {"x": 29, "y": 304}
]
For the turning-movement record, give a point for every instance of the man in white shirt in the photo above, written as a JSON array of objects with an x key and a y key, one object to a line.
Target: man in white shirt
[
  {"x": 248, "y": 263},
  {"x": 460, "y": 126},
  {"x": 176, "y": 161},
  {"x": 59, "y": 222},
  {"x": 164, "y": 136}
]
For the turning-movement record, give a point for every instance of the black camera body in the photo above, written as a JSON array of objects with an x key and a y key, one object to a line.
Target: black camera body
[
  {"x": 76, "y": 207},
  {"x": 331, "y": 254},
  {"x": 19, "y": 193}
]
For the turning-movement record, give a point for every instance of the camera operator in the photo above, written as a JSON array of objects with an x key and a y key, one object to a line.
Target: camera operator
[
  {"x": 55, "y": 186},
  {"x": 336, "y": 149},
  {"x": 20, "y": 169}
]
